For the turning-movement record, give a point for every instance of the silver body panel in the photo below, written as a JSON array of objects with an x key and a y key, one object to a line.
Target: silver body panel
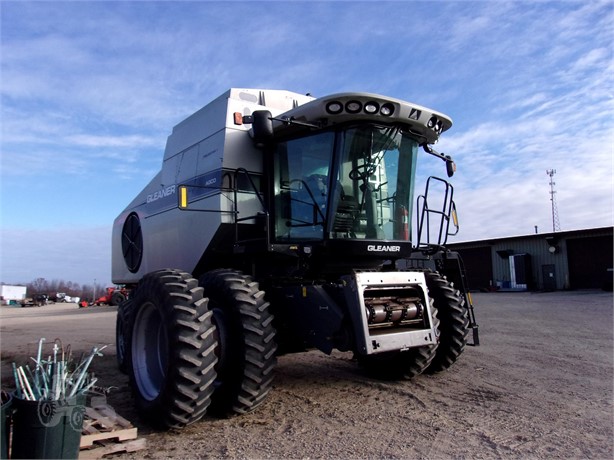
[{"x": 373, "y": 342}]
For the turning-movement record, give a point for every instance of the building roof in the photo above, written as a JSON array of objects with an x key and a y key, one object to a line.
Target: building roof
[{"x": 600, "y": 231}]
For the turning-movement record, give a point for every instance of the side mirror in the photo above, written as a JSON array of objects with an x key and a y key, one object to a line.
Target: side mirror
[
  {"x": 450, "y": 167},
  {"x": 262, "y": 126}
]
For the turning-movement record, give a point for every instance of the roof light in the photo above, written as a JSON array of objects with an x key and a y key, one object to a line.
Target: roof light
[
  {"x": 371, "y": 107},
  {"x": 334, "y": 107},
  {"x": 387, "y": 109},
  {"x": 353, "y": 106}
]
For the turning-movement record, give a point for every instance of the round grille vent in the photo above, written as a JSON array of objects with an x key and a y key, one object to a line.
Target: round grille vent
[{"x": 132, "y": 242}]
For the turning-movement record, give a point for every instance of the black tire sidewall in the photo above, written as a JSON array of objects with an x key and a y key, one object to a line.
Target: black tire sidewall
[
  {"x": 231, "y": 294},
  {"x": 123, "y": 334},
  {"x": 150, "y": 293},
  {"x": 453, "y": 321}
]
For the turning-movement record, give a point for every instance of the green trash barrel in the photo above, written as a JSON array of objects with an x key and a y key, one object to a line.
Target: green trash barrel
[
  {"x": 47, "y": 429},
  {"x": 5, "y": 426}
]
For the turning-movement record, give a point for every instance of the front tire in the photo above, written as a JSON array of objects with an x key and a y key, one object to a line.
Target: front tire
[
  {"x": 172, "y": 353},
  {"x": 453, "y": 321},
  {"x": 246, "y": 339},
  {"x": 401, "y": 365}
]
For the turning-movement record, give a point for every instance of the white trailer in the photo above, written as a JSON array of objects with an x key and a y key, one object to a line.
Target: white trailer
[{"x": 12, "y": 294}]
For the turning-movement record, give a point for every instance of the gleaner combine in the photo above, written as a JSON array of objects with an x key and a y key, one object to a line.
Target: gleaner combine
[{"x": 281, "y": 223}]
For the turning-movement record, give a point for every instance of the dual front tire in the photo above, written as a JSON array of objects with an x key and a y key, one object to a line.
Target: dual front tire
[
  {"x": 246, "y": 341},
  {"x": 189, "y": 348}
]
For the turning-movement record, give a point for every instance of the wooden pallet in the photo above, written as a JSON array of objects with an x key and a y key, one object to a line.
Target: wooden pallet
[{"x": 105, "y": 432}]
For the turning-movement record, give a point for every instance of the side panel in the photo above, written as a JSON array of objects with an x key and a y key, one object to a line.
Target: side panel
[
  {"x": 172, "y": 238},
  {"x": 200, "y": 125},
  {"x": 307, "y": 316}
]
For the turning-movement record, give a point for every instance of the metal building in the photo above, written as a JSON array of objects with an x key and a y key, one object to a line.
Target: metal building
[{"x": 578, "y": 259}]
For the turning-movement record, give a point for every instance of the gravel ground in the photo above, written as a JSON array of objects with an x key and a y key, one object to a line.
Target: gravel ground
[{"x": 539, "y": 386}]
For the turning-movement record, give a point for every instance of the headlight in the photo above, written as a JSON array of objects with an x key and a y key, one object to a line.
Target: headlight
[
  {"x": 435, "y": 124},
  {"x": 334, "y": 107},
  {"x": 387, "y": 109},
  {"x": 353, "y": 106},
  {"x": 371, "y": 107}
]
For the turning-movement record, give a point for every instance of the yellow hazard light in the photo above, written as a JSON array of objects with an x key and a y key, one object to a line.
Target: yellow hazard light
[
  {"x": 183, "y": 197},
  {"x": 454, "y": 218}
]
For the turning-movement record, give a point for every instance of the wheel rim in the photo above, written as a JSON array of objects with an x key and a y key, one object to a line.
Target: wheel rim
[{"x": 149, "y": 351}]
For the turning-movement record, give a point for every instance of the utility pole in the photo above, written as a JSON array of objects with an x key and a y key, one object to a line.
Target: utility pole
[{"x": 556, "y": 226}]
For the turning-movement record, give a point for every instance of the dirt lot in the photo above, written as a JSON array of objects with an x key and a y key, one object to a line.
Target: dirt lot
[{"x": 539, "y": 386}]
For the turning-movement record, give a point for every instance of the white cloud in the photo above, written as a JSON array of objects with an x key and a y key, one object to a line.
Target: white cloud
[{"x": 90, "y": 140}]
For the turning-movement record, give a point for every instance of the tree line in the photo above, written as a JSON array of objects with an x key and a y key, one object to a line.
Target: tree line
[{"x": 51, "y": 288}]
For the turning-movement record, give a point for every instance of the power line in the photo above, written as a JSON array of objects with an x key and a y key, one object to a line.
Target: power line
[{"x": 556, "y": 225}]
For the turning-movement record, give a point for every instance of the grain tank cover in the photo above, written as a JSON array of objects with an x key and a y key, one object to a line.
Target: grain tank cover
[{"x": 218, "y": 115}]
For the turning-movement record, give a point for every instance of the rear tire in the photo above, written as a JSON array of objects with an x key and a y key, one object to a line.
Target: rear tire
[
  {"x": 246, "y": 337},
  {"x": 172, "y": 353},
  {"x": 453, "y": 321},
  {"x": 401, "y": 365}
]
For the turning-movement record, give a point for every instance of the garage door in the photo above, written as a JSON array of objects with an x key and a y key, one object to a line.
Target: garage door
[
  {"x": 478, "y": 266},
  {"x": 589, "y": 259}
]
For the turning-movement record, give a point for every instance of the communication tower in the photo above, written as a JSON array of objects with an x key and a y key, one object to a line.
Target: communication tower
[{"x": 556, "y": 226}]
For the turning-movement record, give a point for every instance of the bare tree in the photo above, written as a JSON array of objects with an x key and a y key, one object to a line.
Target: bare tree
[{"x": 38, "y": 286}]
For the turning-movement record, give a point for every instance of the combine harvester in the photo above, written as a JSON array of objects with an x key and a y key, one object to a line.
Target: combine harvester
[{"x": 281, "y": 223}]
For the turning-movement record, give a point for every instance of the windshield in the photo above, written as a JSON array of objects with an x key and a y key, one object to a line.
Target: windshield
[{"x": 363, "y": 191}]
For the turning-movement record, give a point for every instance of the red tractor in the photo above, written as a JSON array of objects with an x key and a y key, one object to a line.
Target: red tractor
[{"x": 113, "y": 296}]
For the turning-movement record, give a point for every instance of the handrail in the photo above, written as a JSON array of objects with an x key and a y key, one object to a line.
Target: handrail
[
  {"x": 424, "y": 216},
  {"x": 265, "y": 212}
]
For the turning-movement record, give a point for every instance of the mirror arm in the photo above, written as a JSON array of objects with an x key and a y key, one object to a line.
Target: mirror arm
[
  {"x": 450, "y": 165},
  {"x": 249, "y": 119},
  {"x": 293, "y": 121}
]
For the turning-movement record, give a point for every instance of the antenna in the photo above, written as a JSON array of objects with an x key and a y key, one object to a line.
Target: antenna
[{"x": 556, "y": 226}]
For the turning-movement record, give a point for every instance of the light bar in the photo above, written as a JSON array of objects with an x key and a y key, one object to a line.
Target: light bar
[
  {"x": 424, "y": 123},
  {"x": 355, "y": 106}
]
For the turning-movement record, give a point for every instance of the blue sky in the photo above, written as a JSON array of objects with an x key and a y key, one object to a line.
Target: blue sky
[{"x": 91, "y": 90}]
